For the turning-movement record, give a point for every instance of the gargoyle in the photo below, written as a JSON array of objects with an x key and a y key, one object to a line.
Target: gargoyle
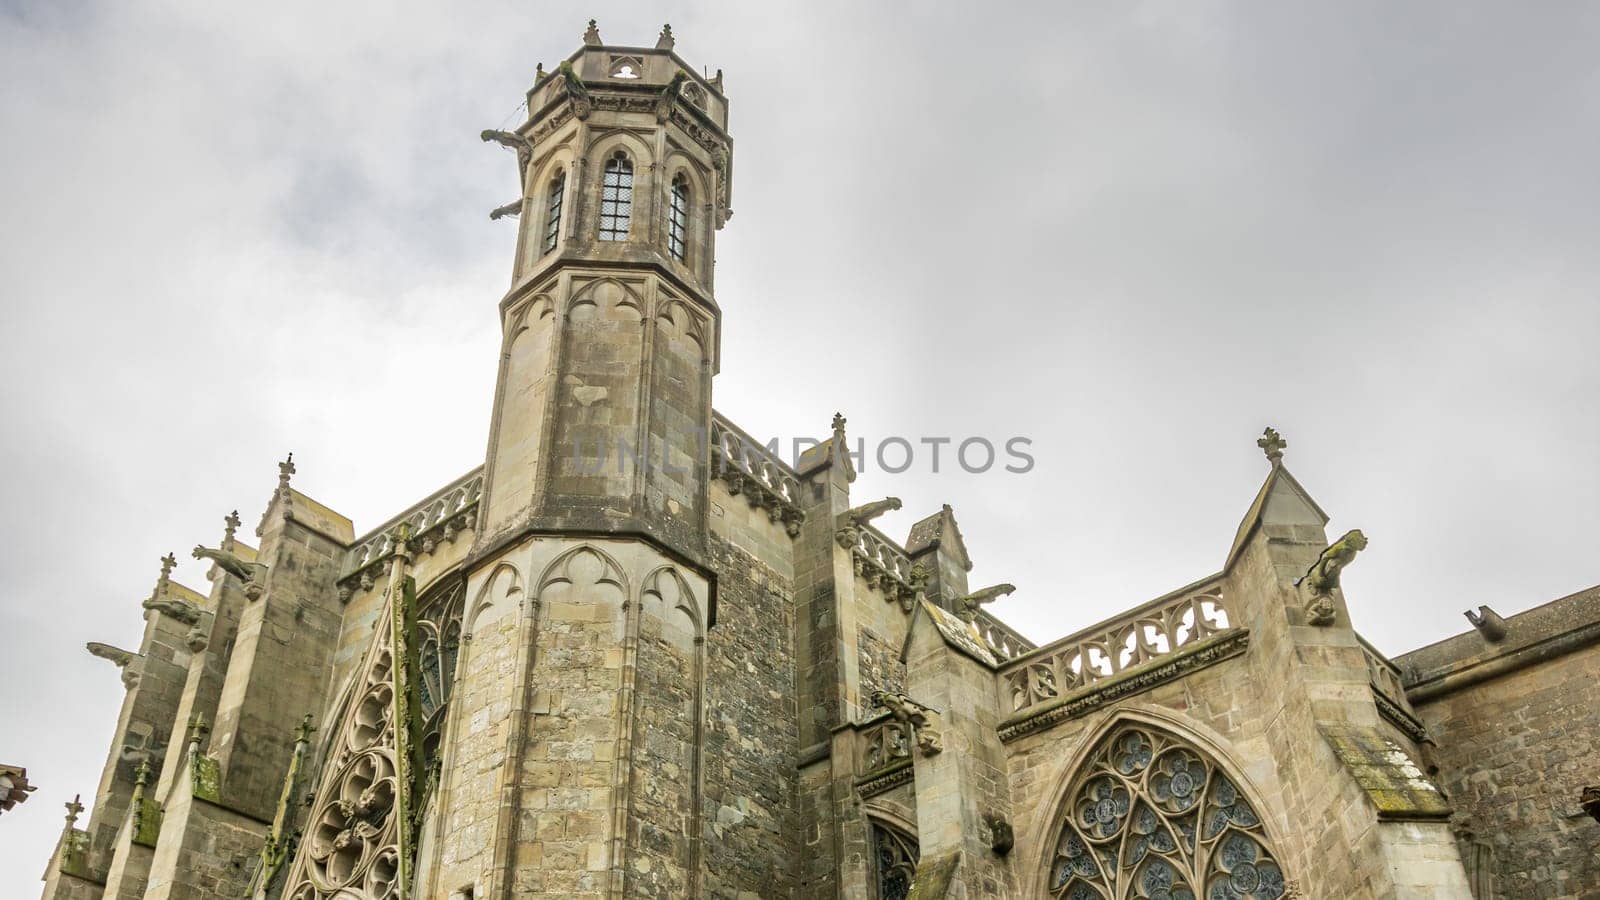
[
  {"x": 513, "y": 141},
  {"x": 118, "y": 656},
  {"x": 248, "y": 572},
  {"x": 513, "y": 209},
  {"x": 1488, "y": 623},
  {"x": 1322, "y": 579},
  {"x": 850, "y": 521},
  {"x": 179, "y": 610},
  {"x": 669, "y": 94},
  {"x": 123, "y": 659},
  {"x": 968, "y": 606},
  {"x": 582, "y": 105},
  {"x": 866, "y": 512},
  {"x": 924, "y": 721}
]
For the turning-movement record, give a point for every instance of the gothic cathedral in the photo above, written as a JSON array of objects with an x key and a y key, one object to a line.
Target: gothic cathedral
[{"x": 679, "y": 666}]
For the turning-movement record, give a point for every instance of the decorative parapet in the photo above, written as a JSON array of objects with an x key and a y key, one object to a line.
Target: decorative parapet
[
  {"x": 1136, "y": 680},
  {"x": 440, "y": 517},
  {"x": 1388, "y": 691},
  {"x": 1103, "y": 651},
  {"x": 882, "y": 564},
  {"x": 750, "y": 469},
  {"x": 1001, "y": 638}
]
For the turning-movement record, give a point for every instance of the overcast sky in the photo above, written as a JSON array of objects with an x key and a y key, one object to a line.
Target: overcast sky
[{"x": 1135, "y": 233}]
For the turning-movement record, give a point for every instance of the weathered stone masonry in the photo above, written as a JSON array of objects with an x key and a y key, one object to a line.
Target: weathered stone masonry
[{"x": 635, "y": 654}]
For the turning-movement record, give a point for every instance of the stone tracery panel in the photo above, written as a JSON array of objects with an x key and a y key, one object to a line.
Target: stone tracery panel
[
  {"x": 351, "y": 842},
  {"x": 1151, "y": 816},
  {"x": 895, "y": 855}
]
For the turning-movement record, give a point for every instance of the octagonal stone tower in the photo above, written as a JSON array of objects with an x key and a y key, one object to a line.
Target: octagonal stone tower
[{"x": 603, "y": 405}]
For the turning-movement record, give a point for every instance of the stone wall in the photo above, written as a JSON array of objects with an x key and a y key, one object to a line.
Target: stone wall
[
  {"x": 1516, "y": 751},
  {"x": 751, "y": 737}
]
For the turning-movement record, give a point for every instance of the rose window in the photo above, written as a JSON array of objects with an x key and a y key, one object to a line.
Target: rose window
[{"x": 1155, "y": 818}]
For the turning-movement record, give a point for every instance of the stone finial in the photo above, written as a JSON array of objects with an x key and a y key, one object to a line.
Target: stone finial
[
  {"x": 1272, "y": 444},
  {"x": 838, "y": 425},
  {"x": 168, "y": 563},
  {"x": 302, "y": 732},
  {"x": 591, "y": 35},
  {"x": 538, "y": 73},
  {"x": 74, "y": 809},
  {"x": 665, "y": 42},
  {"x": 285, "y": 470},
  {"x": 198, "y": 729},
  {"x": 717, "y": 81},
  {"x": 141, "y": 776},
  {"x": 1489, "y": 624},
  {"x": 231, "y": 525}
]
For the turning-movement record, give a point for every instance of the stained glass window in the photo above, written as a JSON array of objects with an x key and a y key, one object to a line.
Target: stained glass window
[
  {"x": 1151, "y": 816},
  {"x": 896, "y": 853},
  {"x": 616, "y": 198},
  {"x": 678, "y": 218},
  {"x": 552, "y": 212}
]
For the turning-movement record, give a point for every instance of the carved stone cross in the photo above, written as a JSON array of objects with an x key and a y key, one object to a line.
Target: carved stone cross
[
  {"x": 232, "y": 523},
  {"x": 285, "y": 469},
  {"x": 1272, "y": 444}
]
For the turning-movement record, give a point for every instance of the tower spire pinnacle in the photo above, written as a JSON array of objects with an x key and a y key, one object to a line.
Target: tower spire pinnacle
[
  {"x": 1272, "y": 444},
  {"x": 591, "y": 35}
]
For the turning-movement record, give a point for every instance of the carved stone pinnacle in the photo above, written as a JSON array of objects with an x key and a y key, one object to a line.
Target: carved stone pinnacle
[
  {"x": 665, "y": 42},
  {"x": 591, "y": 35},
  {"x": 198, "y": 729},
  {"x": 74, "y": 807},
  {"x": 285, "y": 469},
  {"x": 1272, "y": 444},
  {"x": 231, "y": 525},
  {"x": 302, "y": 732}
]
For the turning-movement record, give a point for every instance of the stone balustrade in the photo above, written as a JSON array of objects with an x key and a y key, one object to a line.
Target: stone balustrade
[
  {"x": 1148, "y": 632},
  {"x": 1002, "y": 639},
  {"x": 1388, "y": 691},
  {"x": 438, "y": 517},
  {"x": 749, "y": 469}
]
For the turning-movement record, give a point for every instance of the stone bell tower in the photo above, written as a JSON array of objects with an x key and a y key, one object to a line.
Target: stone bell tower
[
  {"x": 581, "y": 687},
  {"x": 610, "y": 328}
]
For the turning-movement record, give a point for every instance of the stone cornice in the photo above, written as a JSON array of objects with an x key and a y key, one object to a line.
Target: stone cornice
[
  {"x": 1184, "y": 661},
  {"x": 1408, "y": 724},
  {"x": 885, "y": 779}
]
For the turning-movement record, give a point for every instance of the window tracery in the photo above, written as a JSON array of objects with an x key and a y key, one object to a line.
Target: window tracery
[
  {"x": 1150, "y": 816},
  {"x": 678, "y": 218},
  {"x": 351, "y": 843},
  {"x": 896, "y": 855},
  {"x": 616, "y": 198}
]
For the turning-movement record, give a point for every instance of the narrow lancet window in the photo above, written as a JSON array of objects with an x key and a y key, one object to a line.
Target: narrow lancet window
[
  {"x": 678, "y": 218},
  {"x": 552, "y": 212},
  {"x": 616, "y": 198}
]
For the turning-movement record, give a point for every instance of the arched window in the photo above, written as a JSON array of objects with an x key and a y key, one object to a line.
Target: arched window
[
  {"x": 616, "y": 198},
  {"x": 552, "y": 212},
  {"x": 1150, "y": 815},
  {"x": 896, "y": 855},
  {"x": 678, "y": 218}
]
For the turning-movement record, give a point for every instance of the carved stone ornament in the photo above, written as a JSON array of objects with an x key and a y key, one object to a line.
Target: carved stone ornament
[
  {"x": 923, "y": 721},
  {"x": 1322, "y": 579},
  {"x": 252, "y": 574},
  {"x": 967, "y": 607}
]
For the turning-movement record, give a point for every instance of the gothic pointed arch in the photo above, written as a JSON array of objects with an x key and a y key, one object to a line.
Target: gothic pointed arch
[
  {"x": 1151, "y": 813},
  {"x": 582, "y": 565},
  {"x": 668, "y": 585},
  {"x": 894, "y": 854}
]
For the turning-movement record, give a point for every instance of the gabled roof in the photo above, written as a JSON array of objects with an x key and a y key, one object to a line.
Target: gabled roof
[
  {"x": 933, "y": 531},
  {"x": 952, "y": 630},
  {"x": 1282, "y": 500}
]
